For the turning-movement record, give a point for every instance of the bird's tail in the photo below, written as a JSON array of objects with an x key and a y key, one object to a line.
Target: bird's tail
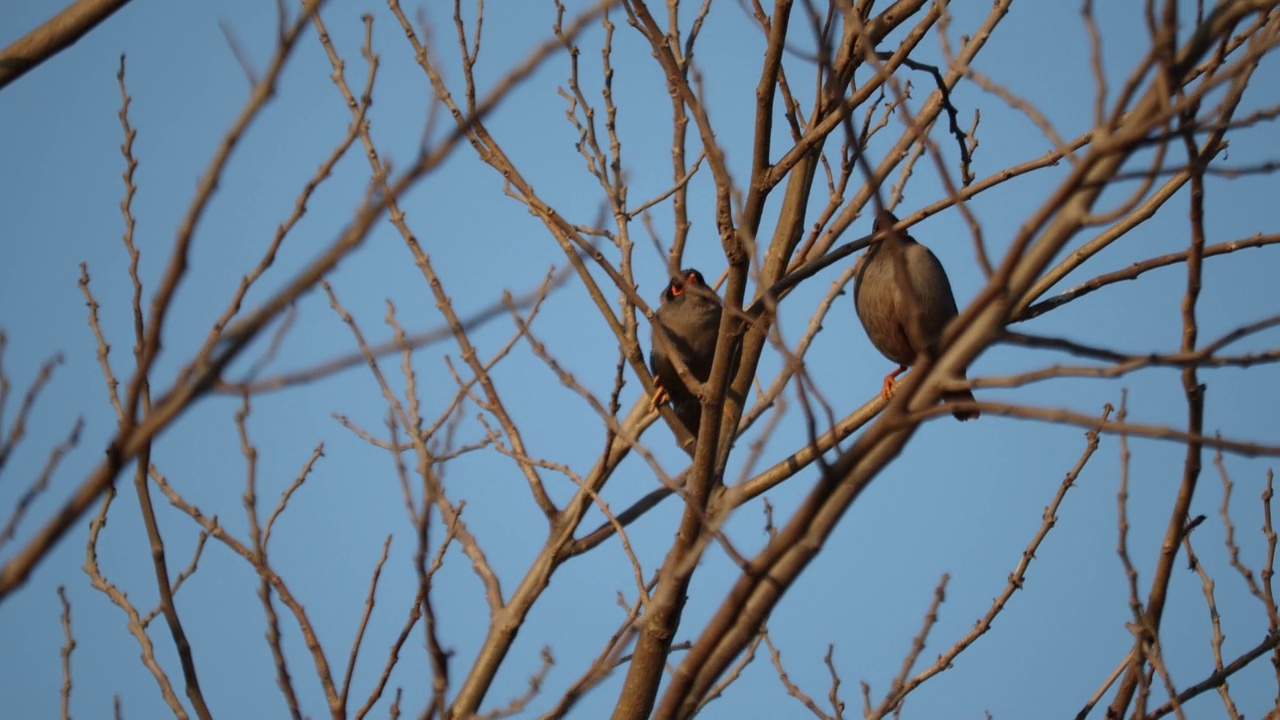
[{"x": 961, "y": 396}]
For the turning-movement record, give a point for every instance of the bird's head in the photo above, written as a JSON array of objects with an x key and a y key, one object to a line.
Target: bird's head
[
  {"x": 688, "y": 283},
  {"x": 882, "y": 228}
]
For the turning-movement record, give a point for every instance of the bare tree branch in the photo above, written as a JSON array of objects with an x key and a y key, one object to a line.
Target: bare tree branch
[{"x": 56, "y": 34}]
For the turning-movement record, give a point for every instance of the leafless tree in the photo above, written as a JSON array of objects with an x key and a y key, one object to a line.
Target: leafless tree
[{"x": 849, "y": 98}]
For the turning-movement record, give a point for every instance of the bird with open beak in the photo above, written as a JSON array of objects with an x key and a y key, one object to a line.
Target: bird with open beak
[{"x": 689, "y": 316}]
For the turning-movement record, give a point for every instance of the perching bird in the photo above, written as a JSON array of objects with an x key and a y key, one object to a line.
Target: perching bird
[
  {"x": 885, "y": 308},
  {"x": 690, "y": 313}
]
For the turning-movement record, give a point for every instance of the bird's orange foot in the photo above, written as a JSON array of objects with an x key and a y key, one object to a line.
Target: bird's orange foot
[
  {"x": 886, "y": 389},
  {"x": 891, "y": 383},
  {"x": 659, "y": 397}
]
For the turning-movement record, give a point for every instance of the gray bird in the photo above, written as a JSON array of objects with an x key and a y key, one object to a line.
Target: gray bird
[
  {"x": 885, "y": 308},
  {"x": 690, "y": 313}
]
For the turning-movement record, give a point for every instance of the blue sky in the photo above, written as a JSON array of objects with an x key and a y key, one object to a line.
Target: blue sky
[{"x": 961, "y": 499}]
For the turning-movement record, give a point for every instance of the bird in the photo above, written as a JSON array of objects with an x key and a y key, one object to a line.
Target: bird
[
  {"x": 689, "y": 312},
  {"x": 885, "y": 303}
]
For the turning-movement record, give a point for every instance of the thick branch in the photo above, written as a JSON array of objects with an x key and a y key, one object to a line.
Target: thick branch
[{"x": 57, "y": 34}]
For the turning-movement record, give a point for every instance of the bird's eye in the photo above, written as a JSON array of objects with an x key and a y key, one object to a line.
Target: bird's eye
[
  {"x": 676, "y": 289},
  {"x": 692, "y": 279}
]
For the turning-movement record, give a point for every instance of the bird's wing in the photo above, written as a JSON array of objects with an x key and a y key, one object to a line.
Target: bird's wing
[{"x": 931, "y": 285}]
